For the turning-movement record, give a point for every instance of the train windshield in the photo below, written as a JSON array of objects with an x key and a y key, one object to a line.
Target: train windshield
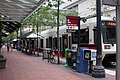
[{"x": 109, "y": 34}]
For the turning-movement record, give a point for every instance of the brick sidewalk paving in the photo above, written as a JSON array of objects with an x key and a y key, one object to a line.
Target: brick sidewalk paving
[{"x": 20, "y": 66}]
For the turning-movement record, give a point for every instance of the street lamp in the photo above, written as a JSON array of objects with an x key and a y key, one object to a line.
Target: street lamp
[{"x": 98, "y": 71}]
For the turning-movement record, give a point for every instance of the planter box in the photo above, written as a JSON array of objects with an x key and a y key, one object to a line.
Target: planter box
[{"x": 2, "y": 62}]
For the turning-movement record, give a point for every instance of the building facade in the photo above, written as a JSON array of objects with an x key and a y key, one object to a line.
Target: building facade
[{"x": 88, "y": 7}]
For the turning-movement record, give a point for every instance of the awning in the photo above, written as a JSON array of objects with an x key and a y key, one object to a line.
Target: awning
[
  {"x": 31, "y": 35},
  {"x": 15, "y": 40},
  {"x": 16, "y": 11}
]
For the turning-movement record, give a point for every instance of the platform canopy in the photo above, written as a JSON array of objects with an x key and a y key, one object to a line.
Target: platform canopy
[
  {"x": 31, "y": 35},
  {"x": 16, "y": 11}
]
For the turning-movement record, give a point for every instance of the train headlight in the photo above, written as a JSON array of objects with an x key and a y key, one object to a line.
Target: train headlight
[{"x": 106, "y": 46}]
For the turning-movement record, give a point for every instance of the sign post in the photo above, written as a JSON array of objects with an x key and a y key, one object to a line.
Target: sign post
[
  {"x": 117, "y": 4},
  {"x": 74, "y": 21}
]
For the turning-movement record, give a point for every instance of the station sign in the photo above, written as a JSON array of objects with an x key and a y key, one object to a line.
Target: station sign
[
  {"x": 72, "y": 23},
  {"x": 110, "y": 2},
  {"x": 72, "y": 20},
  {"x": 70, "y": 30}
]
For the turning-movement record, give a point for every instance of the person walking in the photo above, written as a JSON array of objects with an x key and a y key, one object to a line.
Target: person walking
[
  {"x": 11, "y": 46},
  {"x": 8, "y": 46}
]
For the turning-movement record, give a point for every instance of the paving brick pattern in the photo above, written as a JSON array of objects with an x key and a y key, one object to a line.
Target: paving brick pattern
[{"x": 20, "y": 66}]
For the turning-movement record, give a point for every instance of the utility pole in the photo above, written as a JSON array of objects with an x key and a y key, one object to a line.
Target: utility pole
[
  {"x": 58, "y": 42},
  {"x": 98, "y": 71}
]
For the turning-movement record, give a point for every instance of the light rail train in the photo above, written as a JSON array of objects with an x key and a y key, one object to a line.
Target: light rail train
[{"x": 87, "y": 37}]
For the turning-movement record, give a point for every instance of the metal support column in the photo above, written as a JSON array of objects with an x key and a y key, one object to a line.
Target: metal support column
[
  {"x": 20, "y": 36},
  {"x": 58, "y": 41},
  {"x": 0, "y": 32},
  {"x": 17, "y": 38},
  {"x": 79, "y": 32},
  {"x": 98, "y": 71},
  {"x": 118, "y": 41},
  {"x": 37, "y": 32},
  {"x": 37, "y": 41}
]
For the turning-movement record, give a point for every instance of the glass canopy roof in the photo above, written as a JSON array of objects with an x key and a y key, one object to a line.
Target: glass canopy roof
[{"x": 16, "y": 11}]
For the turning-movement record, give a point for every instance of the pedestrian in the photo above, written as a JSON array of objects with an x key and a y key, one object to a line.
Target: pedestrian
[
  {"x": 8, "y": 46},
  {"x": 11, "y": 46}
]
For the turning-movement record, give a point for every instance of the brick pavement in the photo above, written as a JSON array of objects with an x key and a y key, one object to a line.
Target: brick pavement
[{"x": 24, "y": 67}]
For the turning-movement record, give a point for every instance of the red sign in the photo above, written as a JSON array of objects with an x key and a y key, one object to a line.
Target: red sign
[
  {"x": 111, "y": 23},
  {"x": 72, "y": 20}
]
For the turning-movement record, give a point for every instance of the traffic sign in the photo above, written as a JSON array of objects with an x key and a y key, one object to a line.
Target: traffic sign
[{"x": 110, "y": 2}]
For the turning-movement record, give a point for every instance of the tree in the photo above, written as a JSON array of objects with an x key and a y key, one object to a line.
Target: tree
[
  {"x": 105, "y": 9},
  {"x": 10, "y": 37},
  {"x": 47, "y": 16}
]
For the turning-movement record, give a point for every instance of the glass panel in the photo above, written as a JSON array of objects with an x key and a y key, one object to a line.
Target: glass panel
[
  {"x": 109, "y": 34},
  {"x": 8, "y": 0},
  {"x": 84, "y": 36},
  {"x": 20, "y": 6},
  {"x": 24, "y": 1}
]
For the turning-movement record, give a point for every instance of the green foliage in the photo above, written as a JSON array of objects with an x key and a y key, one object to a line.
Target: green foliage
[
  {"x": 47, "y": 16},
  {"x": 104, "y": 9},
  {"x": 10, "y": 37}
]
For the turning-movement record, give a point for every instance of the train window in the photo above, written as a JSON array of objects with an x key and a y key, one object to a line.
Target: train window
[
  {"x": 84, "y": 36},
  {"x": 46, "y": 43},
  {"x": 74, "y": 38},
  {"x": 50, "y": 42},
  {"x": 60, "y": 43},
  {"x": 95, "y": 35},
  {"x": 41, "y": 43},
  {"x": 109, "y": 34},
  {"x": 55, "y": 43},
  {"x": 70, "y": 42}
]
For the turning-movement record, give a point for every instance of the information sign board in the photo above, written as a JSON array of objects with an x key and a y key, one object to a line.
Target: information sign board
[{"x": 72, "y": 20}]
